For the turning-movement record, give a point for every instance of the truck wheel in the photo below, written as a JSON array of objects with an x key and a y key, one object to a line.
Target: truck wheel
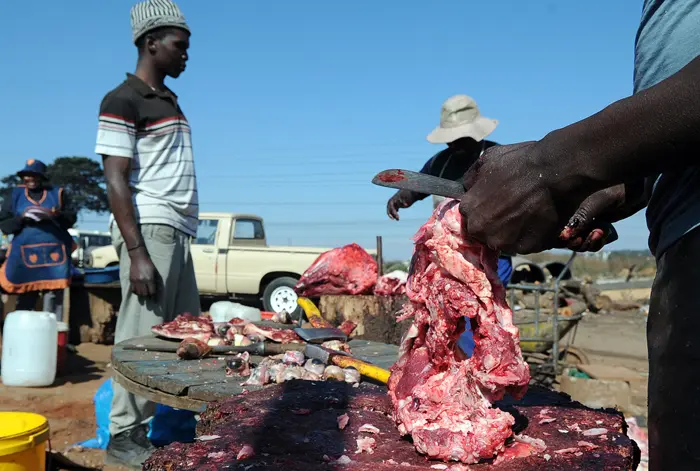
[{"x": 279, "y": 295}]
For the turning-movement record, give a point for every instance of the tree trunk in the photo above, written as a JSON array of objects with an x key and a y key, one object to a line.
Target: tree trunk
[{"x": 375, "y": 316}]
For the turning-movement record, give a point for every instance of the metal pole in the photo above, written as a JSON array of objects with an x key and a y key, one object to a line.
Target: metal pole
[
  {"x": 555, "y": 333},
  {"x": 380, "y": 256},
  {"x": 537, "y": 313}
]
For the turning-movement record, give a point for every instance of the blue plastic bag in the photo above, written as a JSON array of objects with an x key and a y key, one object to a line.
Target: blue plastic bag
[
  {"x": 103, "y": 404},
  {"x": 167, "y": 426}
]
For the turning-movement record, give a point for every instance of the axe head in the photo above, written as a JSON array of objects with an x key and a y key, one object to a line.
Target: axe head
[
  {"x": 321, "y": 335},
  {"x": 317, "y": 352}
]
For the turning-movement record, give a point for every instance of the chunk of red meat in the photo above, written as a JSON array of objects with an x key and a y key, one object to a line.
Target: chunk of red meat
[
  {"x": 186, "y": 326},
  {"x": 270, "y": 333},
  {"x": 192, "y": 349},
  {"x": 389, "y": 286},
  {"x": 344, "y": 270},
  {"x": 347, "y": 327},
  {"x": 443, "y": 400}
]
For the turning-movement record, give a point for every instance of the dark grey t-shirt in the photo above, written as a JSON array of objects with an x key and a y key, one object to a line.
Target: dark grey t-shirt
[{"x": 667, "y": 40}]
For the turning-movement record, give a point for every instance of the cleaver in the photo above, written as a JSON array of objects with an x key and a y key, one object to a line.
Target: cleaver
[{"x": 430, "y": 185}]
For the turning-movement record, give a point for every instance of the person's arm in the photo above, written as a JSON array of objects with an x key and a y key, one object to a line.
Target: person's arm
[
  {"x": 116, "y": 141},
  {"x": 405, "y": 198},
  {"x": 68, "y": 215},
  {"x": 117, "y": 172},
  {"x": 652, "y": 132},
  {"x": 655, "y": 130},
  {"x": 409, "y": 197},
  {"x": 9, "y": 223}
]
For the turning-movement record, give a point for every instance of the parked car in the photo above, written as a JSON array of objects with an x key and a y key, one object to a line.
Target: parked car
[
  {"x": 86, "y": 241},
  {"x": 232, "y": 259}
]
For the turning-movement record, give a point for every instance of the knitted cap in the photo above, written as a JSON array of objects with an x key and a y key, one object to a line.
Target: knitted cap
[{"x": 151, "y": 14}]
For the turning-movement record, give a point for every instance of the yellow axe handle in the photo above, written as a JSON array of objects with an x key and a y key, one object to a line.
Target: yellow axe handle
[
  {"x": 313, "y": 314},
  {"x": 365, "y": 369},
  {"x": 343, "y": 361}
]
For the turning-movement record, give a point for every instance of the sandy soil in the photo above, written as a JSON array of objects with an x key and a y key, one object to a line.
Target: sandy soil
[
  {"x": 68, "y": 404},
  {"x": 615, "y": 339}
]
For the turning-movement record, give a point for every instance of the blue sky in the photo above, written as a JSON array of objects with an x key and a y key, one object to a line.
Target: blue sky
[{"x": 296, "y": 105}]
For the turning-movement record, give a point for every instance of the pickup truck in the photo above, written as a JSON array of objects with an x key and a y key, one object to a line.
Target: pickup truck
[{"x": 232, "y": 259}]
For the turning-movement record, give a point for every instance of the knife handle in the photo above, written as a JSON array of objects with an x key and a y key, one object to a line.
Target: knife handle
[{"x": 612, "y": 233}]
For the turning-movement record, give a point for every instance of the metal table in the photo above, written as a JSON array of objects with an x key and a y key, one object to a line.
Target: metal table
[{"x": 191, "y": 384}]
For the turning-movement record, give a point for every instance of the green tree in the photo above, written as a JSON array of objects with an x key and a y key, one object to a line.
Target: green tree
[{"x": 82, "y": 178}]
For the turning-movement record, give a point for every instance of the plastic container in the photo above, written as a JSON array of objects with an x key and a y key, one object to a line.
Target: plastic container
[
  {"x": 101, "y": 275},
  {"x": 224, "y": 311},
  {"x": 29, "y": 349},
  {"x": 23, "y": 439},
  {"x": 62, "y": 351}
]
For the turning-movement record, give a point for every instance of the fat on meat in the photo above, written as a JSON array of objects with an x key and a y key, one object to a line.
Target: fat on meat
[
  {"x": 443, "y": 400},
  {"x": 344, "y": 270},
  {"x": 270, "y": 333},
  {"x": 185, "y": 326},
  {"x": 391, "y": 284}
]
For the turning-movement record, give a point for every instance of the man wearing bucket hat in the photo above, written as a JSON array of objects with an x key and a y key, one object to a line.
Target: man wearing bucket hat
[
  {"x": 464, "y": 130},
  {"x": 144, "y": 139},
  {"x": 38, "y": 215}
]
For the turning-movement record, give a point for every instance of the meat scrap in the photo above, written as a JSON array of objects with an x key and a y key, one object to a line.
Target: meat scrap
[
  {"x": 368, "y": 428},
  {"x": 444, "y": 401},
  {"x": 239, "y": 365},
  {"x": 345, "y": 270},
  {"x": 343, "y": 421},
  {"x": 192, "y": 349},
  {"x": 366, "y": 445},
  {"x": 186, "y": 326},
  {"x": 347, "y": 327},
  {"x": 261, "y": 333},
  {"x": 391, "y": 284}
]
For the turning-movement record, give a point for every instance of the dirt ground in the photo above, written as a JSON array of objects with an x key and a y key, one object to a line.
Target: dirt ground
[
  {"x": 68, "y": 404},
  {"x": 613, "y": 339}
]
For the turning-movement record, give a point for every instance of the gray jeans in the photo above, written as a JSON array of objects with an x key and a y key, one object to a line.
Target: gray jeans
[{"x": 169, "y": 249}]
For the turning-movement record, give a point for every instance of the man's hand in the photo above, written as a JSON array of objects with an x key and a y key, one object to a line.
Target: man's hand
[
  {"x": 400, "y": 200},
  {"x": 38, "y": 213},
  {"x": 584, "y": 232},
  {"x": 508, "y": 204},
  {"x": 143, "y": 273}
]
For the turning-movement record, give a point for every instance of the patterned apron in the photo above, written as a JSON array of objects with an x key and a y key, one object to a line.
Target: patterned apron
[{"x": 39, "y": 256}]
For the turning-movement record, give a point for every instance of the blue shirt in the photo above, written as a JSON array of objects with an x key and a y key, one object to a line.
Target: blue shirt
[
  {"x": 505, "y": 271},
  {"x": 667, "y": 40}
]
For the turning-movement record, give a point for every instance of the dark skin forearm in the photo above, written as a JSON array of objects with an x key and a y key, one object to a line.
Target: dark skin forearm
[
  {"x": 411, "y": 196},
  {"x": 654, "y": 131},
  {"x": 117, "y": 171}
]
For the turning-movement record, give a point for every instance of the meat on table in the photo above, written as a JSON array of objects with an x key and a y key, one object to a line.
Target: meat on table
[{"x": 268, "y": 431}]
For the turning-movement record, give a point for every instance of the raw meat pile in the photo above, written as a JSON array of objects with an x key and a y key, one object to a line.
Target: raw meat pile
[
  {"x": 441, "y": 399},
  {"x": 391, "y": 284},
  {"x": 292, "y": 365},
  {"x": 314, "y": 426},
  {"x": 348, "y": 270},
  {"x": 186, "y": 326},
  {"x": 237, "y": 332},
  {"x": 345, "y": 270}
]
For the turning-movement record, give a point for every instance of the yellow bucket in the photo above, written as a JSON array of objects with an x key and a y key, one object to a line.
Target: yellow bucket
[{"x": 23, "y": 439}]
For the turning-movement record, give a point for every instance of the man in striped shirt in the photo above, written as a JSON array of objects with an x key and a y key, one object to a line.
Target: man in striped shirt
[{"x": 144, "y": 139}]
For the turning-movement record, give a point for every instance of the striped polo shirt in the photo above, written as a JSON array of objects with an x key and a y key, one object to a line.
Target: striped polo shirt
[{"x": 139, "y": 123}]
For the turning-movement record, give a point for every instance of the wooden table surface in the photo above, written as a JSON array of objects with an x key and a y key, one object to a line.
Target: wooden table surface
[{"x": 190, "y": 384}]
